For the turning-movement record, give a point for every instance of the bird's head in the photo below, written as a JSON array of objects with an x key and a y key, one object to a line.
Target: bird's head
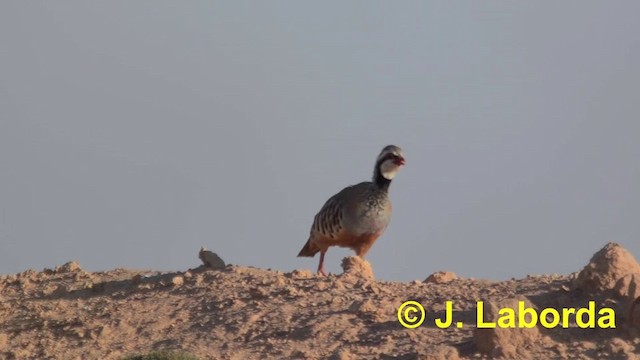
[{"x": 390, "y": 160}]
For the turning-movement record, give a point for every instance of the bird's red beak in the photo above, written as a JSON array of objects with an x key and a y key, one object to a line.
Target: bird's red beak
[{"x": 399, "y": 160}]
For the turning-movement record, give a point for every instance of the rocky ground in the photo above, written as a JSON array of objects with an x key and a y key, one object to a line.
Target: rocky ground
[{"x": 234, "y": 312}]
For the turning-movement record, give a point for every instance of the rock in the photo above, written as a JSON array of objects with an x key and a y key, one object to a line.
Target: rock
[
  {"x": 587, "y": 345},
  {"x": 507, "y": 351},
  {"x": 633, "y": 301},
  {"x": 357, "y": 267},
  {"x": 27, "y": 274},
  {"x": 501, "y": 342},
  {"x": 211, "y": 259},
  {"x": 623, "y": 285},
  {"x": 619, "y": 346},
  {"x": 259, "y": 293},
  {"x": 321, "y": 286},
  {"x": 177, "y": 280},
  {"x": 441, "y": 352},
  {"x": 342, "y": 354},
  {"x": 363, "y": 307},
  {"x": 561, "y": 350},
  {"x": 60, "y": 290},
  {"x": 4, "y": 341},
  {"x": 634, "y": 313},
  {"x": 301, "y": 274},
  {"x": 291, "y": 291},
  {"x": 607, "y": 267},
  {"x": 137, "y": 279},
  {"x": 71, "y": 266},
  {"x": 441, "y": 277}
]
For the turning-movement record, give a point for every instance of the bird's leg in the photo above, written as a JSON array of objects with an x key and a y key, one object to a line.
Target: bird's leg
[{"x": 321, "y": 264}]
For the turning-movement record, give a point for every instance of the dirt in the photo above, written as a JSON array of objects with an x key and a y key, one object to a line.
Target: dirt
[{"x": 239, "y": 312}]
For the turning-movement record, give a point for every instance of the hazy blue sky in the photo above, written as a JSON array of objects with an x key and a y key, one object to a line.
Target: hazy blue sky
[{"x": 133, "y": 132}]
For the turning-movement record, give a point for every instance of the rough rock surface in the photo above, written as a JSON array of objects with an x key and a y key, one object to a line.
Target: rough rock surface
[
  {"x": 610, "y": 268},
  {"x": 71, "y": 266},
  {"x": 634, "y": 302},
  {"x": 249, "y": 313},
  {"x": 506, "y": 342},
  {"x": 357, "y": 267}
]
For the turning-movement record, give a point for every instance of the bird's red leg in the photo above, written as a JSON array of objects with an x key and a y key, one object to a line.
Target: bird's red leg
[{"x": 321, "y": 264}]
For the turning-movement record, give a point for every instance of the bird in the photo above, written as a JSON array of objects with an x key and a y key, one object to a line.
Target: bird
[{"x": 358, "y": 215}]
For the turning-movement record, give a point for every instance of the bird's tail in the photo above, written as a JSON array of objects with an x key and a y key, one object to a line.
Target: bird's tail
[{"x": 309, "y": 249}]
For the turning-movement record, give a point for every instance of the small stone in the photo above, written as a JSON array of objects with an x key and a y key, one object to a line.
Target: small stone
[
  {"x": 338, "y": 286},
  {"x": 4, "y": 340},
  {"x": 60, "y": 290},
  {"x": 587, "y": 345},
  {"x": 177, "y": 280},
  {"x": 634, "y": 313},
  {"x": 321, "y": 286},
  {"x": 27, "y": 273},
  {"x": 137, "y": 279},
  {"x": 561, "y": 350},
  {"x": 78, "y": 332},
  {"x": 342, "y": 354},
  {"x": 71, "y": 266},
  {"x": 441, "y": 352},
  {"x": 259, "y": 293},
  {"x": 363, "y": 307},
  {"x": 87, "y": 285},
  {"x": 441, "y": 277},
  {"x": 291, "y": 291},
  {"x": 199, "y": 279},
  {"x": 301, "y": 274},
  {"x": 619, "y": 346},
  {"x": 507, "y": 351},
  {"x": 301, "y": 354},
  {"x": 374, "y": 288},
  {"x": 55, "y": 290}
]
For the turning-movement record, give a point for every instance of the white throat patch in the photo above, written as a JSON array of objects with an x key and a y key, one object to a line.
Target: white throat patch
[{"x": 389, "y": 169}]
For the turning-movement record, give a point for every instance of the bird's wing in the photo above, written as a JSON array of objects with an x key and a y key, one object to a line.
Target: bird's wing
[{"x": 329, "y": 221}]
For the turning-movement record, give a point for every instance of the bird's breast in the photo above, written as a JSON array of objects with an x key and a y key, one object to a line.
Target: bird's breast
[{"x": 372, "y": 216}]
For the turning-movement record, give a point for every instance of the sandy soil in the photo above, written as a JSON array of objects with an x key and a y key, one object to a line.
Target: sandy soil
[{"x": 240, "y": 312}]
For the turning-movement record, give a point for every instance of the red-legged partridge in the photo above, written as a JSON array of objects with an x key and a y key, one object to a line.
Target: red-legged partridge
[{"x": 356, "y": 216}]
